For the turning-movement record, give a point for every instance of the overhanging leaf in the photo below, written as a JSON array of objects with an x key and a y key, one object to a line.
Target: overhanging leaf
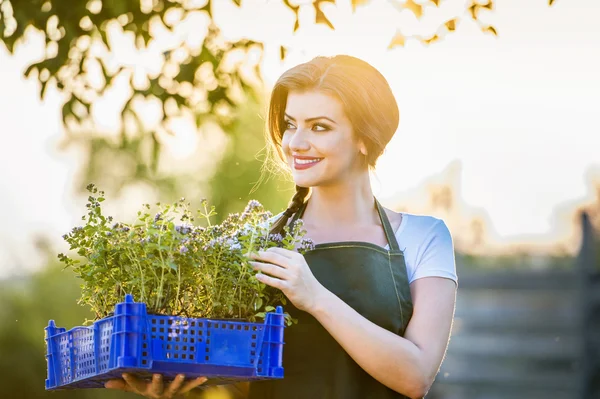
[
  {"x": 320, "y": 17},
  {"x": 430, "y": 40},
  {"x": 282, "y": 52},
  {"x": 490, "y": 29},
  {"x": 398, "y": 40},
  {"x": 489, "y": 5},
  {"x": 415, "y": 8},
  {"x": 472, "y": 9},
  {"x": 451, "y": 25},
  {"x": 358, "y": 3}
]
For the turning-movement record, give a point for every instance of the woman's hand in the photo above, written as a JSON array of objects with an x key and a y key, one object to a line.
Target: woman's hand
[
  {"x": 288, "y": 271},
  {"x": 155, "y": 389}
]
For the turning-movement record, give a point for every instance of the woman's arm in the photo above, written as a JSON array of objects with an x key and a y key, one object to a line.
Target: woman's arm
[{"x": 407, "y": 365}]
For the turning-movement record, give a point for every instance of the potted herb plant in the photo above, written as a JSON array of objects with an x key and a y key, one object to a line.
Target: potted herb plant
[{"x": 185, "y": 272}]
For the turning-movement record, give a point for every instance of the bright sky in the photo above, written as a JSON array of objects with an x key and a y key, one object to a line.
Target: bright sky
[{"x": 518, "y": 114}]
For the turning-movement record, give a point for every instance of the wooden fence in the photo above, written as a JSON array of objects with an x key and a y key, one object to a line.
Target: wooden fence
[{"x": 526, "y": 334}]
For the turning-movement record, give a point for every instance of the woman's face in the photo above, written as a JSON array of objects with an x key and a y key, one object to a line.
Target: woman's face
[{"x": 318, "y": 141}]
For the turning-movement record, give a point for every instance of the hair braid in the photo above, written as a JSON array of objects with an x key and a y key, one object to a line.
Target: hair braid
[{"x": 294, "y": 206}]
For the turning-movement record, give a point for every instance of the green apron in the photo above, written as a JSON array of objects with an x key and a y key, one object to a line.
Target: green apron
[{"x": 371, "y": 280}]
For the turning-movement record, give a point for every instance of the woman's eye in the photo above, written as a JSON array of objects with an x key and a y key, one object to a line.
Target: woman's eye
[
  {"x": 320, "y": 128},
  {"x": 289, "y": 125}
]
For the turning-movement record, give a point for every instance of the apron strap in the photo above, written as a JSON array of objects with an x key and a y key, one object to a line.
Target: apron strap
[{"x": 387, "y": 227}]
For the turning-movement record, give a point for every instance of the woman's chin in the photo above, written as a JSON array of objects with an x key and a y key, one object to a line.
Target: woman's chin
[{"x": 304, "y": 181}]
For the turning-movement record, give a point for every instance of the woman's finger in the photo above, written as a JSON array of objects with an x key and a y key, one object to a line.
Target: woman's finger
[
  {"x": 273, "y": 282},
  {"x": 271, "y": 257},
  {"x": 117, "y": 383},
  {"x": 157, "y": 386},
  {"x": 135, "y": 384},
  {"x": 270, "y": 269},
  {"x": 283, "y": 252},
  {"x": 189, "y": 385},
  {"x": 174, "y": 386}
]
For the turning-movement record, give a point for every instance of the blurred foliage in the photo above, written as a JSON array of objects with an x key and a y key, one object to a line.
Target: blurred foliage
[
  {"x": 25, "y": 307},
  {"x": 202, "y": 81},
  {"x": 238, "y": 175}
]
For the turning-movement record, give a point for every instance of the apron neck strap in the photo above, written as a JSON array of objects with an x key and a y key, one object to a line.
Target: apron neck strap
[{"x": 387, "y": 227}]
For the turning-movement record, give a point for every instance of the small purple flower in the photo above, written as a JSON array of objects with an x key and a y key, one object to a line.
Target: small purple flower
[
  {"x": 252, "y": 205},
  {"x": 306, "y": 245},
  {"x": 183, "y": 249},
  {"x": 183, "y": 229},
  {"x": 158, "y": 217},
  {"x": 276, "y": 237},
  {"x": 233, "y": 244}
]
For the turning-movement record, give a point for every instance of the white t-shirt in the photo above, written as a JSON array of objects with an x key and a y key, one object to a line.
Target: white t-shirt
[{"x": 427, "y": 245}]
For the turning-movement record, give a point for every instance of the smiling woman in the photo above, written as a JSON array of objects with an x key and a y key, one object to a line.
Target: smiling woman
[{"x": 374, "y": 319}]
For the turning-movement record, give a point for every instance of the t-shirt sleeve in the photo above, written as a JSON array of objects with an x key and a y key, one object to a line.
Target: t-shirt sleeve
[{"x": 436, "y": 256}]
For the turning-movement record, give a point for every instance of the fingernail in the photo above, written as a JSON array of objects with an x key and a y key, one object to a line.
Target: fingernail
[{"x": 181, "y": 376}]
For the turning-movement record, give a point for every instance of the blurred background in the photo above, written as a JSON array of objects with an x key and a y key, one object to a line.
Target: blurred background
[{"x": 153, "y": 100}]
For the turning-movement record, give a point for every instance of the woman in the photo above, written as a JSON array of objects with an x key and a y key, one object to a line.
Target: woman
[{"x": 374, "y": 319}]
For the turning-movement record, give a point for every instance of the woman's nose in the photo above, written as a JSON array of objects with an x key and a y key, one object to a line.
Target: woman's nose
[{"x": 298, "y": 141}]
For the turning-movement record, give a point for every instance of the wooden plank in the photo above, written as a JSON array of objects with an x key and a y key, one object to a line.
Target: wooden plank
[
  {"x": 528, "y": 311},
  {"x": 515, "y": 374},
  {"x": 518, "y": 279},
  {"x": 440, "y": 390},
  {"x": 531, "y": 346}
]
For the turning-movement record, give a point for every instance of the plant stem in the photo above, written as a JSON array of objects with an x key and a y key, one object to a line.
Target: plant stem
[
  {"x": 134, "y": 260},
  {"x": 162, "y": 273}
]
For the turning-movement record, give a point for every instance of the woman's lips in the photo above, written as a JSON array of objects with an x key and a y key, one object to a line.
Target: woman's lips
[{"x": 305, "y": 163}]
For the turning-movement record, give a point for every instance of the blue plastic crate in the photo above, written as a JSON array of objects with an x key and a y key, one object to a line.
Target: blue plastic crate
[{"x": 134, "y": 341}]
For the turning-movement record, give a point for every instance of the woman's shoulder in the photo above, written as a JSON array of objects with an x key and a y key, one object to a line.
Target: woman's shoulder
[
  {"x": 428, "y": 247},
  {"x": 421, "y": 224}
]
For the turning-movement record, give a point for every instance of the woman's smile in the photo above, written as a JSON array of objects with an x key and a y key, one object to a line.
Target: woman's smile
[{"x": 301, "y": 163}]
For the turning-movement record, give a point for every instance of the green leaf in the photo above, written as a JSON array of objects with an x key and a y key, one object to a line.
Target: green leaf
[
  {"x": 282, "y": 52},
  {"x": 258, "y": 303},
  {"x": 320, "y": 17},
  {"x": 490, "y": 29},
  {"x": 451, "y": 24},
  {"x": 398, "y": 40},
  {"x": 357, "y": 3},
  {"x": 415, "y": 8}
]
